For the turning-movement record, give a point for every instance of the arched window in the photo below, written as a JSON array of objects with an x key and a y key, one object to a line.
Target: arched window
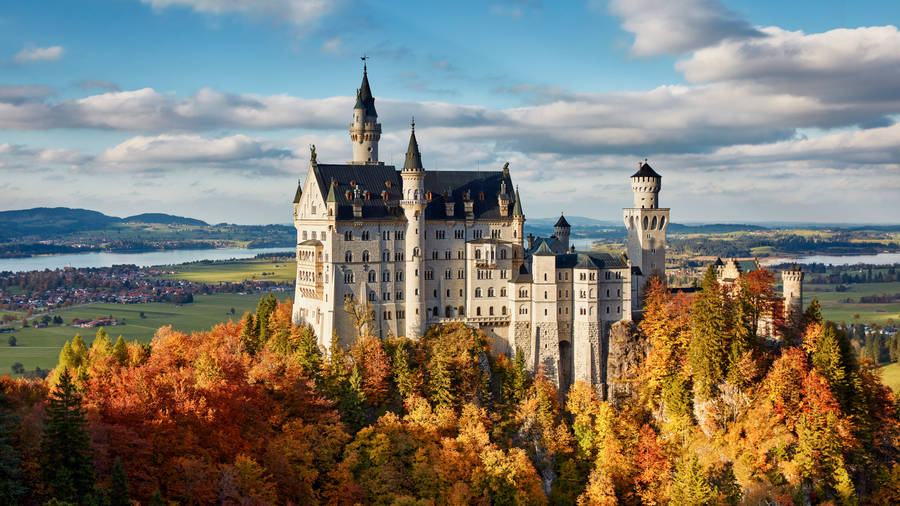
[
  {"x": 478, "y": 292},
  {"x": 348, "y": 277},
  {"x": 385, "y": 256},
  {"x": 503, "y": 310},
  {"x": 434, "y": 311},
  {"x": 348, "y": 235},
  {"x": 653, "y": 224},
  {"x": 461, "y": 311},
  {"x": 478, "y": 311},
  {"x": 491, "y": 311},
  {"x": 348, "y": 256},
  {"x": 477, "y": 254},
  {"x": 448, "y": 311},
  {"x": 386, "y": 276},
  {"x": 545, "y": 294},
  {"x": 304, "y": 235},
  {"x": 371, "y": 276},
  {"x": 503, "y": 254},
  {"x": 503, "y": 292},
  {"x": 365, "y": 235},
  {"x": 365, "y": 256},
  {"x": 490, "y": 292},
  {"x": 415, "y": 252},
  {"x": 646, "y": 221},
  {"x": 662, "y": 222}
]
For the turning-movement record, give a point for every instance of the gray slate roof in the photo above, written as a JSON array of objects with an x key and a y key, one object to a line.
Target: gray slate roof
[
  {"x": 646, "y": 170},
  {"x": 455, "y": 183},
  {"x": 590, "y": 261}
]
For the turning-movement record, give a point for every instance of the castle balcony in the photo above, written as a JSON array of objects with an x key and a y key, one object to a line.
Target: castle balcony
[
  {"x": 486, "y": 263},
  {"x": 487, "y": 321}
]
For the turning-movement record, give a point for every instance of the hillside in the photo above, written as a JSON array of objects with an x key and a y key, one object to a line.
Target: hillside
[
  {"x": 50, "y": 220},
  {"x": 164, "y": 219}
]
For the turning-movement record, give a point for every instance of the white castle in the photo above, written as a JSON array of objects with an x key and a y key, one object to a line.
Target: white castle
[{"x": 424, "y": 247}]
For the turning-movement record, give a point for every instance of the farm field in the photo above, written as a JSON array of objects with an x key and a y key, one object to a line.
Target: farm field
[
  {"x": 41, "y": 347},
  {"x": 890, "y": 376},
  {"x": 835, "y": 310},
  {"x": 237, "y": 270}
]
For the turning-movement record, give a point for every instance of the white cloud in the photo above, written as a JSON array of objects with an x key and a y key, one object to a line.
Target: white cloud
[
  {"x": 333, "y": 46},
  {"x": 678, "y": 26},
  {"x": 39, "y": 54},
  {"x": 297, "y": 12}
]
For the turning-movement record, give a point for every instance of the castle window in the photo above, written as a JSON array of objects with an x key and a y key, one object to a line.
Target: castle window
[
  {"x": 348, "y": 256},
  {"x": 398, "y": 235},
  {"x": 490, "y": 292},
  {"x": 348, "y": 278},
  {"x": 618, "y": 292},
  {"x": 607, "y": 292},
  {"x": 503, "y": 310},
  {"x": 447, "y": 255},
  {"x": 461, "y": 311},
  {"x": 435, "y": 293},
  {"x": 618, "y": 309},
  {"x": 386, "y": 276},
  {"x": 607, "y": 309},
  {"x": 365, "y": 235},
  {"x": 415, "y": 252},
  {"x": 459, "y": 234},
  {"x": 434, "y": 255},
  {"x": 477, "y": 254},
  {"x": 313, "y": 209},
  {"x": 491, "y": 311},
  {"x": 398, "y": 276},
  {"x": 545, "y": 312},
  {"x": 386, "y": 296},
  {"x": 523, "y": 309},
  {"x": 653, "y": 224},
  {"x": 646, "y": 221},
  {"x": 399, "y": 295},
  {"x": 477, "y": 234},
  {"x": 545, "y": 294},
  {"x": 348, "y": 235},
  {"x": 365, "y": 256},
  {"x": 662, "y": 221},
  {"x": 448, "y": 274},
  {"x": 371, "y": 296},
  {"x": 448, "y": 311},
  {"x": 429, "y": 274},
  {"x": 478, "y": 311},
  {"x": 371, "y": 276},
  {"x": 348, "y": 297},
  {"x": 593, "y": 277},
  {"x": 503, "y": 292},
  {"x": 460, "y": 274},
  {"x": 502, "y": 254},
  {"x": 434, "y": 311},
  {"x": 459, "y": 254},
  {"x": 304, "y": 235},
  {"x": 545, "y": 276},
  {"x": 478, "y": 292}
]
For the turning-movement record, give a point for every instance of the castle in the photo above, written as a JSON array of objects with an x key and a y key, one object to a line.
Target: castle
[{"x": 423, "y": 247}]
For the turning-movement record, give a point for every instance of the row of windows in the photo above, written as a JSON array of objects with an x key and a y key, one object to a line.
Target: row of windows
[
  {"x": 490, "y": 292},
  {"x": 313, "y": 235},
  {"x": 590, "y": 293},
  {"x": 399, "y": 256},
  {"x": 399, "y": 234}
]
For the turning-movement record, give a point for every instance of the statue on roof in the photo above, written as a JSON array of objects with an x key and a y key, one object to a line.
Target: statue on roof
[{"x": 312, "y": 153}]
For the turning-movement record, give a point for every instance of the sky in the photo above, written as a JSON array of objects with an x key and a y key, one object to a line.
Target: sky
[{"x": 751, "y": 110}]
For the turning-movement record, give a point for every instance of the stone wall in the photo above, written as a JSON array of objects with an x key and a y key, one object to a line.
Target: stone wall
[{"x": 628, "y": 348}]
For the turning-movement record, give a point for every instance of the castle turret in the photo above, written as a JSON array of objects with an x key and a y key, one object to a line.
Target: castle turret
[
  {"x": 561, "y": 231},
  {"x": 792, "y": 279},
  {"x": 365, "y": 131},
  {"x": 413, "y": 204},
  {"x": 646, "y": 223}
]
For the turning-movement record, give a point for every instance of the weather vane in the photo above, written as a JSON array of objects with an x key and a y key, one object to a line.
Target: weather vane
[{"x": 365, "y": 57}]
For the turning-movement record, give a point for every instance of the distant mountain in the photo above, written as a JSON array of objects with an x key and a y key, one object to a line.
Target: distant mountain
[
  {"x": 50, "y": 220},
  {"x": 164, "y": 219},
  {"x": 714, "y": 228},
  {"x": 45, "y": 222}
]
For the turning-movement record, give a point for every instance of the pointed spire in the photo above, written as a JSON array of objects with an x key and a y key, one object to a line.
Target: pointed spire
[
  {"x": 364, "y": 94},
  {"x": 413, "y": 157},
  {"x": 299, "y": 192},
  {"x": 517, "y": 205},
  {"x": 331, "y": 196}
]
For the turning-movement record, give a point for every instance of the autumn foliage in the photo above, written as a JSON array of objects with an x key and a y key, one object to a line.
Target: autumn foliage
[{"x": 255, "y": 412}]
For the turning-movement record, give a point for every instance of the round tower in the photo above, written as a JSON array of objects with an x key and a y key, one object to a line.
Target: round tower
[
  {"x": 645, "y": 184},
  {"x": 365, "y": 131},
  {"x": 413, "y": 203},
  {"x": 561, "y": 231},
  {"x": 792, "y": 280}
]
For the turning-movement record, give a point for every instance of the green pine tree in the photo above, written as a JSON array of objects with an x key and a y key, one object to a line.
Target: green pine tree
[
  {"x": 516, "y": 384},
  {"x": 265, "y": 307},
  {"x": 249, "y": 334},
  {"x": 351, "y": 403},
  {"x": 709, "y": 325},
  {"x": 66, "y": 459},
  {"x": 12, "y": 486},
  {"x": 118, "y": 490},
  {"x": 440, "y": 381},
  {"x": 743, "y": 332},
  {"x": 813, "y": 312},
  {"x": 120, "y": 351},
  {"x": 309, "y": 354},
  {"x": 833, "y": 358},
  {"x": 690, "y": 485},
  {"x": 403, "y": 378}
]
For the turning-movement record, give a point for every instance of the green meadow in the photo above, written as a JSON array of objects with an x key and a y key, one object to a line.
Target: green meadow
[
  {"x": 40, "y": 347},
  {"x": 890, "y": 376},
  {"x": 237, "y": 270},
  {"x": 835, "y": 309}
]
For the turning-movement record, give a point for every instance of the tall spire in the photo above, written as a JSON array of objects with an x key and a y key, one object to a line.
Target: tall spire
[
  {"x": 413, "y": 156},
  {"x": 517, "y": 205},
  {"x": 364, "y": 95}
]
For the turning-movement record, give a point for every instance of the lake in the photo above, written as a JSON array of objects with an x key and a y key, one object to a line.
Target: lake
[
  {"x": 145, "y": 259},
  {"x": 878, "y": 259}
]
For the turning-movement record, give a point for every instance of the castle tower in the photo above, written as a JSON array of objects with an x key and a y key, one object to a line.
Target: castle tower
[
  {"x": 365, "y": 131},
  {"x": 792, "y": 279},
  {"x": 413, "y": 204},
  {"x": 544, "y": 344},
  {"x": 646, "y": 223},
  {"x": 518, "y": 231},
  {"x": 561, "y": 231}
]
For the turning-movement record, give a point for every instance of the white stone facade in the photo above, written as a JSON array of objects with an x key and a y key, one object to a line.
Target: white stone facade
[{"x": 428, "y": 247}]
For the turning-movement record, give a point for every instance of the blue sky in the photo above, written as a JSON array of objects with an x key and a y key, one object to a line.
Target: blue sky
[{"x": 751, "y": 111}]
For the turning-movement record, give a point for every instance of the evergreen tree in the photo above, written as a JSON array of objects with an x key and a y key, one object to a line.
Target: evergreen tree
[
  {"x": 66, "y": 460},
  {"x": 118, "y": 490},
  {"x": 265, "y": 308},
  {"x": 120, "y": 351},
  {"x": 743, "y": 331},
  {"x": 101, "y": 345},
  {"x": 515, "y": 383},
  {"x": 813, "y": 313},
  {"x": 12, "y": 487},
  {"x": 690, "y": 485},
  {"x": 440, "y": 381},
  {"x": 351, "y": 402},
  {"x": 833, "y": 358},
  {"x": 308, "y": 353},
  {"x": 709, "y": 325},
  {"x": 403, "y": 377},
  {"x": 249, "y": 334}
]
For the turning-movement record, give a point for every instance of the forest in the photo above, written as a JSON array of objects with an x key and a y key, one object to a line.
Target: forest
[{"x": 254, "y": 412}]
